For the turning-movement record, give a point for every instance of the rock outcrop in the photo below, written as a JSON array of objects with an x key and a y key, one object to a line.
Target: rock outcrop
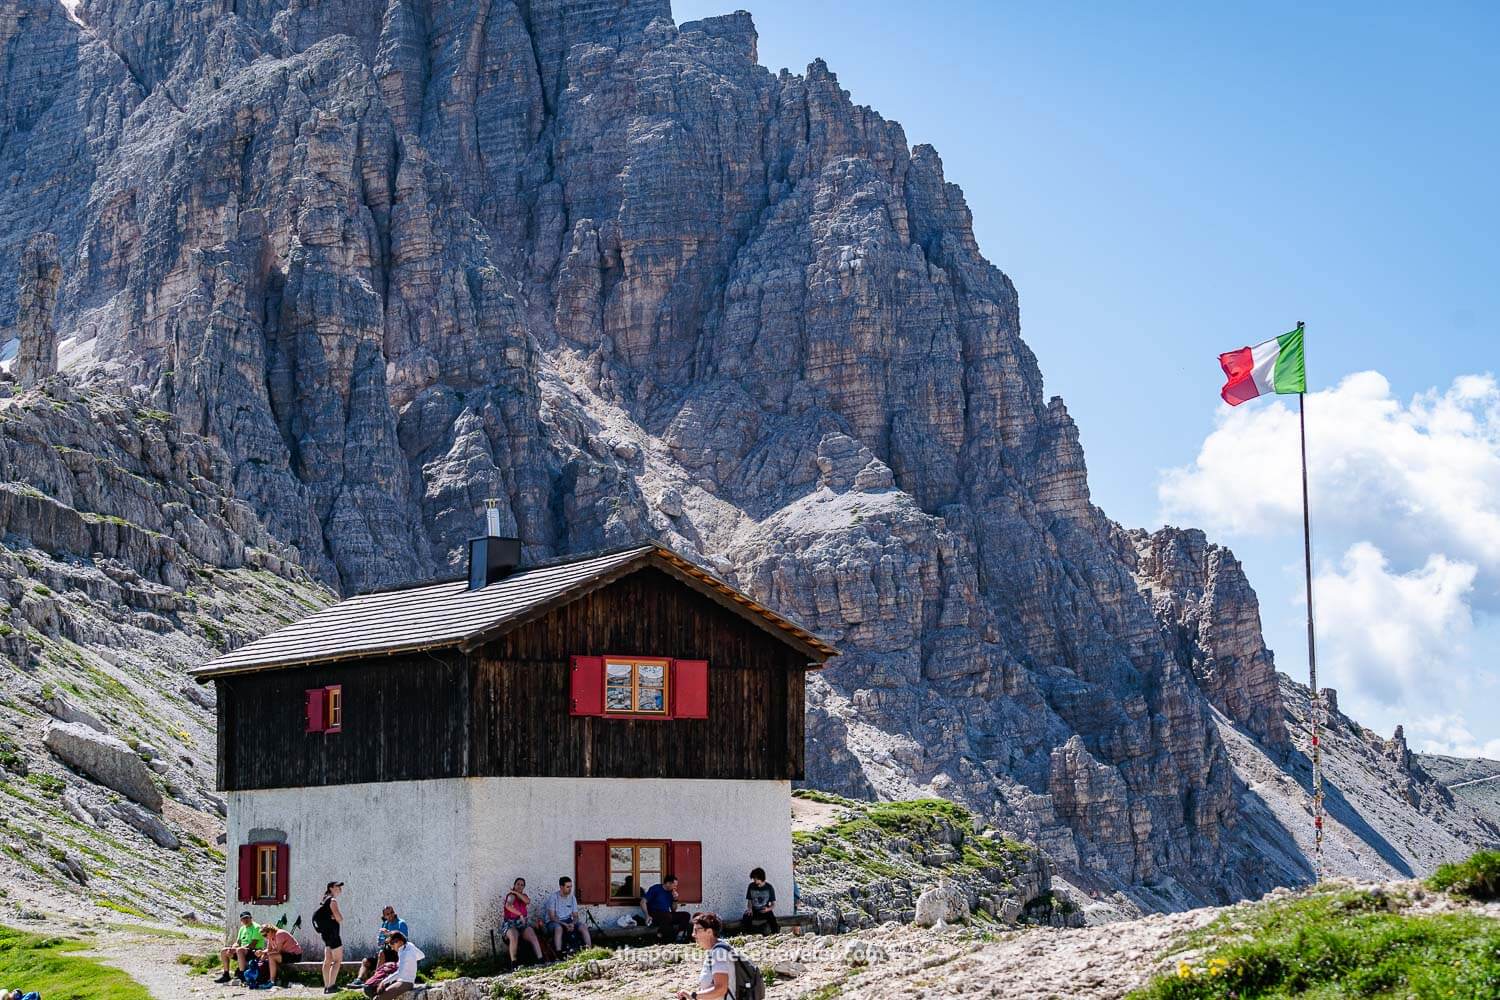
[
  {"x": 36, "y": 298},
  {"x": 1211, "y": 620},
  {"x": 104, "y": 759},
  {"x": 394, "y": 259},
  {"x": 123, "y": 561}
]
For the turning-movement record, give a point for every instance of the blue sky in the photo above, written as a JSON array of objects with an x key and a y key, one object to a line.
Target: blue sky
[{"x": 1164, "y": 182}]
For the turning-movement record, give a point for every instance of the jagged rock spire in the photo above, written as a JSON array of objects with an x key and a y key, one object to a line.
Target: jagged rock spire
[{"x": 36, "y": 297}]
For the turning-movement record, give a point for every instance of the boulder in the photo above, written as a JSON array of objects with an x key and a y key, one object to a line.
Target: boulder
[
  {"x": 60, "y": 708},
  {"x": 104, "y": 760},
  {"x": 942, "y": 904},
  {"x": 147, "y": 824}
]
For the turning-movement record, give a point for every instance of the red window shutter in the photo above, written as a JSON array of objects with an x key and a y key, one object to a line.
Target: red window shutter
[
  {"x": 247, "y": 872},
  {"x": 687, "y": 864},
  {"x": 690, "y": 689},
  {"x": 587, "y": 686},
  {"x": 283, "y": 872},
  {"x": 315, "y": 710},
  {"x": 591, "y": 870}
]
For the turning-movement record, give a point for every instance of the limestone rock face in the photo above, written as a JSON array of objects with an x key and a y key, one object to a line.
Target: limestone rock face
[
  {"x": 36, "y": 297},
  {"x": 1211, "y": 619},
  {"x": 104, "y": 759},
  {"x": 395, "y": 258}
]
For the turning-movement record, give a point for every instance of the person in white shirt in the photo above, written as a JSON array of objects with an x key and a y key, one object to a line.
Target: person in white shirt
[
  {"x": 404, "y": 978},
  {"x": 561, "y": 913},
  {"x": 716, "y": 981}
]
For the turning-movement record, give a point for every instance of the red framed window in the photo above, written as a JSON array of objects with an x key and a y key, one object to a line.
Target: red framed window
[
  {"x": 325, "y": 709},
  {"x": 265, "y": 872},
  {"x": 618, "y": 872},
  {"x": 638, "y": 687}
]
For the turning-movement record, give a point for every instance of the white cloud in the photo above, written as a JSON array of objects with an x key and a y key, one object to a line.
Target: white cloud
[
  {"x": 1450, "y": 735},
  {"x": 1406, "y": 518},
  {"x": 1417, "y": 478},
  {"x": 1394, "y": 637}
]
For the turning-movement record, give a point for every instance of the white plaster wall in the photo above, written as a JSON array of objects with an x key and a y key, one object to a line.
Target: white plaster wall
[
  {"x": 444, "y": 852},
  {"x": 404, "y": 843}
]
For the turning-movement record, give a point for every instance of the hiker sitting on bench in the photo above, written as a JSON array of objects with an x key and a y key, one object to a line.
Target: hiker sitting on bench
[
  {"x": 281, "y": 948},
  {"x": 660, "y": 906},
  {"x": 560, "y": 911},
  {"x": 246, "y": 943},
  {"x": 760, "y": 904}
]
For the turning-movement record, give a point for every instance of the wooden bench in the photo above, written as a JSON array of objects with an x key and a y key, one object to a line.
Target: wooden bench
[{"x": 609, "y": 934}]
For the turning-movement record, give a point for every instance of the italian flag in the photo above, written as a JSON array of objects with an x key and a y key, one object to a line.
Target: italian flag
[{"x": 1275, "y": 366}]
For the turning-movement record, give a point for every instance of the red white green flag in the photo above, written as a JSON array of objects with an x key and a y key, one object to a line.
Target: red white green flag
[{"x": 1275, "y": 366}]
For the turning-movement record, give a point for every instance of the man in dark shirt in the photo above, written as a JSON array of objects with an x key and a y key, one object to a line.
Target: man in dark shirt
[
  {"x": 660, "y": 904},
  {"x": 760, "y": 903}
]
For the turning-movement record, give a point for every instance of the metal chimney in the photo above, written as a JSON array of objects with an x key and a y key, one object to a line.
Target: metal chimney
[{"x": 492, "y": 556}]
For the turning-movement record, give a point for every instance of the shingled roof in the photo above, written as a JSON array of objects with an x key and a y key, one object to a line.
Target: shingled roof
[{"x": 449, "y": 614}]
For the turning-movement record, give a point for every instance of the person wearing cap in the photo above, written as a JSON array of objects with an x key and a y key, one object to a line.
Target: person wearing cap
[
  {"x": 328, "y": 921},
  {"x": 389, "y": 921},
  {"x": 404, "y": 979},
  {"x": 280, "y": 947},
  {"x": 247, "y": 942}
]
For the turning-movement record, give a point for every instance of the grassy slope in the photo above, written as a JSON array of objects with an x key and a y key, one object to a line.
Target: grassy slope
[
  {"x": 47, "y": 965},
  {"x": 1336, "y": 944}
]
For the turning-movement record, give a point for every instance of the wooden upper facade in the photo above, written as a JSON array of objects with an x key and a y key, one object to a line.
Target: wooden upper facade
[{"x": 643, "y": 670}]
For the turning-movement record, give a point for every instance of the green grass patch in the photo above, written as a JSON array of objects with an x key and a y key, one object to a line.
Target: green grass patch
[
  {"x": 1477, "y": 878},
  {"x": 50, "y": 967},
  {"x": 47, "y": 783},
  {"x": 1335, "y": 945},
  {"x": 827, "y": 798},
  {"x": 118, "y": 907}
]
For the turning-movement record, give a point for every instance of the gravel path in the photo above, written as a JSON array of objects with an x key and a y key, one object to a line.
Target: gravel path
[{"x": 1092, "y": 963}]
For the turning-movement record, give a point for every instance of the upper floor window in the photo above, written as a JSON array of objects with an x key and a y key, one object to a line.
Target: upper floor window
[
  {"x": 635, "y": 686},
  {"x": 638, "y": 687},
  {"x": 325, "y": 709}
]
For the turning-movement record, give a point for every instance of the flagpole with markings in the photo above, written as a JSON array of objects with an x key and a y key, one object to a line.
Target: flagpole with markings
[
  {"x": 1278, "y": 366},
  {"x": 1312, "y": 649}
]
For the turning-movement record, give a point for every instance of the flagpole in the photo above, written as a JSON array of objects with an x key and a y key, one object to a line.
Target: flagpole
[{"x": 1312, "y": 650}]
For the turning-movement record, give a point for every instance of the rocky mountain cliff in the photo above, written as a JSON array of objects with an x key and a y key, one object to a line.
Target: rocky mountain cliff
[{"x": 395, "y": 258}]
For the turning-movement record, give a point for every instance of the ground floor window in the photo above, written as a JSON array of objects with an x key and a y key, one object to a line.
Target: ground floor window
[
  {"x": 265, "y": 872},
  {"x": 634, "y": 867},
  {"x": 619, "y": 871}
]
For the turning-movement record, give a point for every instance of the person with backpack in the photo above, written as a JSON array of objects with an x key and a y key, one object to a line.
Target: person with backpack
[
  {"x": 760, "y": 903},
  {"x": 328, "y": 921},
  {"x": 726, "y": 975},
  {"x": 246, "y": 943}
]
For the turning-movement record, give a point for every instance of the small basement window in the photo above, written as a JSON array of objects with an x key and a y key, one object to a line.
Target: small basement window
[
  {"x": 634, "y": 867},
  {"x": 635, "y": 686}
]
